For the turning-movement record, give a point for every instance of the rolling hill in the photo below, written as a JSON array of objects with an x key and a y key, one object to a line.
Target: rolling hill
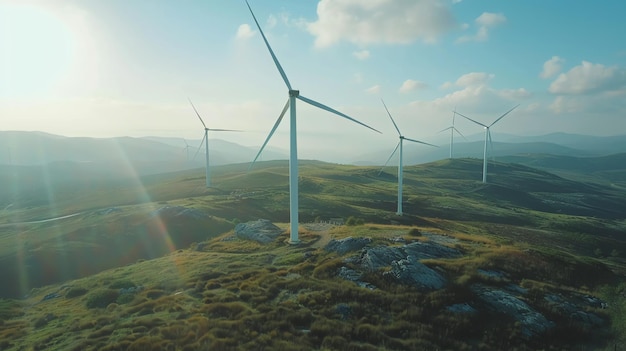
[{"x": 530, "y": 235}]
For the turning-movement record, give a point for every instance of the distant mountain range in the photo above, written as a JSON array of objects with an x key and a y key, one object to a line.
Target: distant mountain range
[
  {"x": 560, "y": 144},
  {"x": 151, "y": 155},
  {"x": 147, "y": 155}
]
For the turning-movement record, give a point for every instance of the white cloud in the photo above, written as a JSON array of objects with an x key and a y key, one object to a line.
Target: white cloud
[
  {"x": 589, "y": 78},
  {"x": 552, "y": 67},
  {"x": 361, "y": 55},
  {"x": 474, "y": 95},
  {"x": 373, "y": 90},
  {"x": 603, "y": 105},
  {"x": 485, "y": 22},
  {"x": 469, "y": 79},
  {"x": 244, "y": 32},
  {"x": 513, "y": 94},
  {"x": 380, "y": 21},
  {"x": 271, "y": 21},
  {"x": 411, "y": 85},
  {"x": 489, "y": 19}
]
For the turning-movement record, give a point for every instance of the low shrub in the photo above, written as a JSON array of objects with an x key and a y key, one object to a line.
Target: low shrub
[
  {"x": 122, "y": 284},
  {"x": 75, "y": 292},
  {"x": 415, "y": 232},
  {"x": 101, "y": 298}
]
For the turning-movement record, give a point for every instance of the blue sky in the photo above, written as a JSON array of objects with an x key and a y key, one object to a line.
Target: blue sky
[{"x": 118, "y": 67}]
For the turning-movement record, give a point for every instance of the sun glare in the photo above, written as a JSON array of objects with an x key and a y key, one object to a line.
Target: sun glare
[{"x": 37, "y": 50}]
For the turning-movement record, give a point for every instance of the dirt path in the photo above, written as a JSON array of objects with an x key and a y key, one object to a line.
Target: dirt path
[{"x": 321, "y": 229}]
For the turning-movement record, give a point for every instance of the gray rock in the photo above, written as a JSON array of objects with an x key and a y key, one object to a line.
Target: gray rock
[
  {"x": 349, "y": 274},
  {"x": 574, "y": 311},
  {"x": 354, "y": 276},
  {"x": 495, "y": 275},
  {"x": 262, "y": 231},
  {"x": 427, "y": 249},
  {"x": 533, "y": 323},
  {"x": 404, "y": 263},
  {"x": 412, "y": 272},
  {"x": 380, "y": 257},
  {"x": 346, "y": 245},
  {"x": 461, "y": 308},
  {"x": 178, "y": 211}
]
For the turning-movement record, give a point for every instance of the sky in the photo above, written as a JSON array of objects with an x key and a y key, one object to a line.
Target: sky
[{"x": 94, "y": 68}]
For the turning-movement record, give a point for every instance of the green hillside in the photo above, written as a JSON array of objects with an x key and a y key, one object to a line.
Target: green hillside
[{"x": 202, "y": 288}]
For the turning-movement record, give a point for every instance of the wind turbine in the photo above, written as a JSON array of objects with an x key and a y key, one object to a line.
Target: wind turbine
[
  {"x": 186, "y": 148},
  {"x": 452, "y": 129},
  {"x": 293, "y": 145},
  {"x": 205, "y": 140},
  {"x": 400, "y": 167},
  {"x": 487, "y": 137}
]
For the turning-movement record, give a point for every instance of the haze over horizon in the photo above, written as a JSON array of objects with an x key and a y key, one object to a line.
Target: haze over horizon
[{"x": 104, "y": 69}]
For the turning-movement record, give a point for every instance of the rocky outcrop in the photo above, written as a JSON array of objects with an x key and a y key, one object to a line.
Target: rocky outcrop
[
  {"x": 423, "y": 250},
  {"x": 382, "y": 256},
  {"x": 573, "y": 308},
  {"x": 402, "y": 261},
  {"x": 345, "y": 245},
  {"x": 409, "y": 271},
  {"x": 532, "y": 322},
  {"x": 262, "y": 231},
  {"x": 178, "y": 211}
]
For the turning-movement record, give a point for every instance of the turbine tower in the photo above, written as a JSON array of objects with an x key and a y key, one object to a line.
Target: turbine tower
[
  {"x": 205, "y": 140},
  {"x": 293, "y": 145},
  {"x": 452, "y": 129},
  {"x": 400, "y": 166},
  {"x": 487, "y": 137}
]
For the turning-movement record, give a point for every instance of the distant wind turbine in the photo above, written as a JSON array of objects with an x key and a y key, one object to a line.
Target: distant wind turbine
[
  {"x": 293, "y": 145},
  {"x": 205, "y": 140},
  {"x": 186, "y": 148},
  {"x": 487, "y": 137},
  {"x": 400, "y": 167},
  {"x": 452, "y": 129}
]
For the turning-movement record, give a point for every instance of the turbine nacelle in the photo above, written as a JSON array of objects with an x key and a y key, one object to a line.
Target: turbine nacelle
[{"x": 294, "y": 93}]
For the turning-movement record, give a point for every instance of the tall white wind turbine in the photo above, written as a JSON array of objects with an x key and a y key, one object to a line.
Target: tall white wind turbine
[
  {"x": 205, "y": 140},
  {"x": 293, "y": 145},
  {"x": 400, "y": 166},
  {"x": 487, "y": 137},
  {"x": 452, "y": 129}
]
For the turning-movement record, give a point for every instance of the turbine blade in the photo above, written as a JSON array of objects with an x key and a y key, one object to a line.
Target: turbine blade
[
  {"x": 507, "y": 112},
  {"x": 390, "y": 156},
  {"x": 490, "y": 144},
  {"x": 461, "y": 134},
  {"x": 194, "y": 108},
  {"x": 280, "y": 118},
  {"x": 199, "y": 147},
  {"x": 471, "y": 119},
  {"x": 224, "y": 130},
  {"x": 420, "y": 142},
  {"x": 324, "y": 107},
  {"x": 392, "y": 121},
  {"x": 443, "y": 130},
  {"x": 453, "y": 116},
  {"x": 280, "y": 68}
]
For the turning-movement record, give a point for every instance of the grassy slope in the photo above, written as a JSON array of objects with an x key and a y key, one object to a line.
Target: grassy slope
[{"x": 566, "y": 224}]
